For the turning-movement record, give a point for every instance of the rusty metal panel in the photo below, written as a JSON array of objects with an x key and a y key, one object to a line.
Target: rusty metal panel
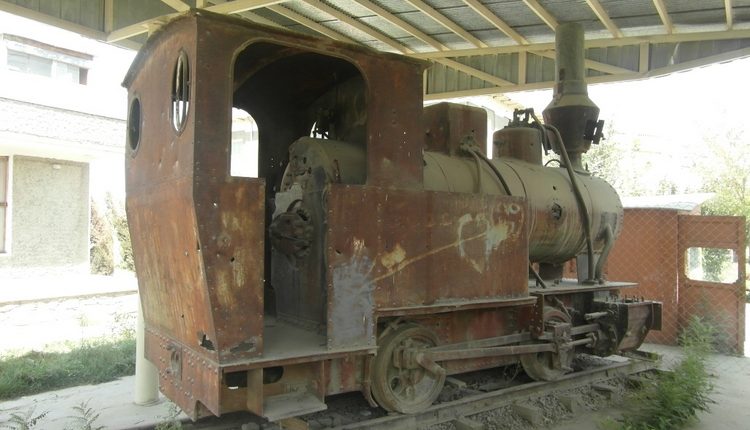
[
  {"x": 719, "y": 304},
  {"x": 712, "y": 231},
  {"x": 454, "y": 247},
  {"x": 646, "y": 253},
  {"x": 187, "y": 378},
  {"x": 198, "y": 232},
  {"x": 231, "y": 226},
  {"x": 394, "y": 148},
  {"x": 163, "y": 225},
  {"x": 344, "y": 374},
  {"x": 230, "y": 210},
  {"x": 171, "y": 285},
  {"x": 447, "y": 124}
]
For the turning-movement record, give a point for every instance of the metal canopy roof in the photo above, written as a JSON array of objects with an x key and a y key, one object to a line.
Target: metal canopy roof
[{"x": 479, "y": 47}]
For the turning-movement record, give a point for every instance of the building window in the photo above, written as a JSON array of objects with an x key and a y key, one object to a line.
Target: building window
[
  {"x": 36, "y": 58},
  {"x": 3, "y": 201},
  {"x": 27, "y": 63},
  {"x": 35, "y": 65}
]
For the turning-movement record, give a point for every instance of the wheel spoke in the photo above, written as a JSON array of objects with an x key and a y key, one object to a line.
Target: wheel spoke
[
  {"x": 541, "y": 366},
  {"x": 401, "y": 389}
]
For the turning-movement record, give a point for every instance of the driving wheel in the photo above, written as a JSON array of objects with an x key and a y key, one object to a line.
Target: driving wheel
[
  {"x": 541, "y": 366},
  {"x": 398, "y": 383}
]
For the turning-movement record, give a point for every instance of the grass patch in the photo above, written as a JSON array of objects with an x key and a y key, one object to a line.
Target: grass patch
[
  {"x": 92, "y": 362},
  {"x": 674, "y": 398}
]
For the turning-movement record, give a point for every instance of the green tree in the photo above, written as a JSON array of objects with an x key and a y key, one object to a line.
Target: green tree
[
  {"x": 604, "y": 159},
  {"x": 726, "y": 173},
  {"x": 608, "y": 159}
]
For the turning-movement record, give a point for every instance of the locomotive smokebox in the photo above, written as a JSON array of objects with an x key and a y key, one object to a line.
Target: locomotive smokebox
[{"x": 571, "y": 111}]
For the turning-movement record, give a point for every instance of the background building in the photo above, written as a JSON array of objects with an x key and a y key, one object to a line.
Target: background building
[{"x": 61, "y": 144}]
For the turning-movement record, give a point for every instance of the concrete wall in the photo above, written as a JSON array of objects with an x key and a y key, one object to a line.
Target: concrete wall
[{"x": 49, "y": 224}]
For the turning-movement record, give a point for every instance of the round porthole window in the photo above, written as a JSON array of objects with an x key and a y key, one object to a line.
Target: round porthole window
[
  {"x": 180, "y": 92},
  {"x": 134, "y": 124}
]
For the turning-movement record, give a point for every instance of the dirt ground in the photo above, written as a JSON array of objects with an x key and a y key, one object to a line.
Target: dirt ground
[
  {"x": 731, "y": 380},
  {"x": 56, "y": 324}
]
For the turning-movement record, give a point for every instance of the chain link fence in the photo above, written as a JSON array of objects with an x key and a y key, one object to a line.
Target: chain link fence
[{"x": 695, "y": 265}]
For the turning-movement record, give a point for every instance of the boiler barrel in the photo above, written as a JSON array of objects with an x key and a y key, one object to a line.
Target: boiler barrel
[{"x": 556, "y": 231}]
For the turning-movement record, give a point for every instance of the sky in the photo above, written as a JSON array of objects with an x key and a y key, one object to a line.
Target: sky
[
  {"x": 669, "y": 119},
  {"x": 676, "y": 106}
]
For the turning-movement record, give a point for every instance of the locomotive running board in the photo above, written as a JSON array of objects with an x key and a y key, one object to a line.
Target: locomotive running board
[{"x": 568, "y": 286}]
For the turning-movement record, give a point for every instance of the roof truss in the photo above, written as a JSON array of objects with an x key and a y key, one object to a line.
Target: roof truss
[
  {"x": 477, "y": 48},
  {"x": 604, "y": 18}
]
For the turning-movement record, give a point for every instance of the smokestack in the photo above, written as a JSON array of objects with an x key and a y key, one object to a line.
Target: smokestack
[{"x": 571, "y": 111}]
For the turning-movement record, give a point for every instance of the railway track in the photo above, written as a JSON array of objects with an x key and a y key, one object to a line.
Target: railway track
[{"x": 469, "y": 404}]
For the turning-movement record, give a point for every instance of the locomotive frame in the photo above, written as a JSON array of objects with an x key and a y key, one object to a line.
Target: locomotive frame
[{"x": 412, "y": 285}]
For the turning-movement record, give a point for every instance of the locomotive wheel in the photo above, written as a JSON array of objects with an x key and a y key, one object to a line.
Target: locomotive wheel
[
  {"x": 539, "y": 366},
  {"x": 398, "y": 387}
]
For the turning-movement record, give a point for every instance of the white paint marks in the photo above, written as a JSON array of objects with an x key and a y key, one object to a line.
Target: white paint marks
[{"x": 479, "y": 227}]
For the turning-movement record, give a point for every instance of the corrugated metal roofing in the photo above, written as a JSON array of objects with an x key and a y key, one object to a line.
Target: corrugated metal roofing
[{"x": 509, "y": 40}]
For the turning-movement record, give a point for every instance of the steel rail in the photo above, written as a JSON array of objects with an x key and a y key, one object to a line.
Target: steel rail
[
  {"x": 468, "y": 405},
  {"x": 478, "y": 403}
]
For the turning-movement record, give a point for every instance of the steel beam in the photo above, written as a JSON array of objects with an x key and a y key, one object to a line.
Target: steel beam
[
  {"x": 447, "y": 23},
  {"x": 496, "y": 21},
  {"x": 604, "y": 18},
  {"x": 589, "y": 64},
  {"x": 596, "y": 43},
  {"x": 358, "y": 25},
  {"x": 473, "y": 72},
  {"x": 252, "y": 16},
  {"x": 712, "y": 59},
  {"x": 137, "y": 28},
  {"x": 178, "y": 5},
  {"x": 492, "y": 91},
  {"x": 644, "y": 57},
  {"x": 238, "y": 6},
  {"x": 500, "y": 89},
  {"x": 309, "y": 23},
  {"x": 109, "y": 16},
  {"x": 398, "y": 22},
  {"x": 542, "y": 13},
  {"x": 664, "y": 15},
  {"x": 729, "y": 13}
]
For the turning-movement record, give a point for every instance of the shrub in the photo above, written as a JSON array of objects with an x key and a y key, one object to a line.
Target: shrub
[
  {"x": 674, "y": 398},
  {"x": 116, "y": 217},
  {"x": 101, "y": 257}
]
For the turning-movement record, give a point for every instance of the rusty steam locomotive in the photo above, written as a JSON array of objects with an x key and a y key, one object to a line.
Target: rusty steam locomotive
[{"x": 380, "y": 248}]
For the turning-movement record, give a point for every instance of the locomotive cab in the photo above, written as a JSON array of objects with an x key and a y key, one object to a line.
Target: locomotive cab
[{"x": 376, "y": 249}]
